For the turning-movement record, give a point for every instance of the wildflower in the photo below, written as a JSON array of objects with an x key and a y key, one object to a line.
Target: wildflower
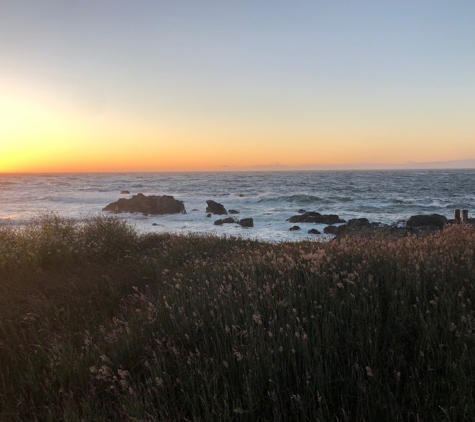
[
  {"x": 257, "y": 319},
  {"x": 369, "y": 372},
  {"x": 104, "y": 358}
]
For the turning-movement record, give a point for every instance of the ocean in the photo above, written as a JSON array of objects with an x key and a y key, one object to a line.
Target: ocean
[{"x": 268, "y": 197}]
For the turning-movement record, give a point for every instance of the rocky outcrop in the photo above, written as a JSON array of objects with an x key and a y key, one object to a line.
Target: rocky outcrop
[
  {"x": 431, "y": 220},
  {"x": 313, "y": 231},
  {"x": 358, "y": 222},
  {"x": 233, "y": 212},
  {"x": 147, "y": 205},
  {"x": 124, "y": 192},
  {"x": 246, "y": 222},
  {"x": 228, "y": 220},
  {"x": 335, "y": 230},
  {"x": 316, "y": 217},
  {"x": 215, "y": 207},
  {"x": 294, "y": 228},
  {"x": 359, "y": 227}
]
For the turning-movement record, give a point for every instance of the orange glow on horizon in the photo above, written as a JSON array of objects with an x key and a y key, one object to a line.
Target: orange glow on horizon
[{"x": 41, "y": 134}]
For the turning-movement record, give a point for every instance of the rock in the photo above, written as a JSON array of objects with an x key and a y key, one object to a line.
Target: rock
[
  {"x": 332, "y": 230},
  {"x": 215, "y": 207},
  {"x": 233, "y": 212},
  {"x": 225, "y": 221},
  {"x": 124, "y": 192},
  {"x": 431, "y": 220},
  {"x": 313, "y": 231},
  {"x": 208, "y": 216},
  {"x": 194, "y": 209},
  {"x": 246, "y": 222},
  {"x": 147, "y": 205},
  {"x": 363, "y": 229},
  {"x": 315, "y": 217},
  {"x": 294, "y": 228},
  {"x": 358, "y": 222},
  {"x": 154, "y": 224},
  {"x": 241, "y": 195},
  {"x": 301, "y": 211}
]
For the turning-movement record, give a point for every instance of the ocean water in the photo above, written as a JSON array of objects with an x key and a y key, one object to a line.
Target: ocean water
[{"x": 267, "y": 197}]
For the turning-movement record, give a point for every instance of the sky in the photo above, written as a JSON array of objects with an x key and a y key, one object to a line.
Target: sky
[{"x": 183, "y": 85}]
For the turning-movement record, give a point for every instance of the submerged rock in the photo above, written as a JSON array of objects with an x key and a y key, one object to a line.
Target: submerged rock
[
  {"x": 233, "y": 212},
  {"x": 316, "y": 217},
  {"x": 215, "y": 207},
  {"x": 147, "y": 205},
  {"x": 124, "y": 192},
  {"x": 246, "y": 222},
  {"x": 294, "y": 228},
  {"x": 358, "y": 222},
  {"x": 228, "y": 220},
  {"x": 313, "y": 231}
]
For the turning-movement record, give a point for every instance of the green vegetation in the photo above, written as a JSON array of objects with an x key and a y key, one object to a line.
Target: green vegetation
[{"x": 98, "y": 322}]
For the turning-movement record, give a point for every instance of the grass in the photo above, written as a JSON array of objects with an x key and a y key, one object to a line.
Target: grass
[{"x": 98, "y": 322}]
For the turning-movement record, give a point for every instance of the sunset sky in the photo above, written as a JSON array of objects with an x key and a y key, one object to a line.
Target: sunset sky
[{"x": 150, "y": 85}]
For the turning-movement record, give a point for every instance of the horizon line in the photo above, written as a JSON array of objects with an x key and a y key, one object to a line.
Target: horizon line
[{"x": 465, "y": 164}]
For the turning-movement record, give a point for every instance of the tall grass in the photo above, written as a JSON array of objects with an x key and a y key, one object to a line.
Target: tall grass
[{"x": 101, "y": 323}]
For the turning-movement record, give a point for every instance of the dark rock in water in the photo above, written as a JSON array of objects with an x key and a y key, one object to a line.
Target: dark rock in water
[
  {"x": 313, "y": 231},
  {"x": 434, "y": 220},
  {"x": 154, "y": 224},
  {"x": 208, "y": 215},
  {"x": 241, "y": 195},
  {"x": 301, "y": 211},
  {"x": 215, "y": 207},
  {"x": 332, "y": 230},
  {"x": 363, "y": 229},
  {"x": 294, "y": 228},
  {"x": 246, "y": 222},
  {"x": 357, "y": 222},
  {"x": 194, "y": 209},
  {"x": 147, "y": 205},
  {"x": 124, "y": 192},
  {"x": 316, "y": 217},
  {"x": 227, "y": 220},
  {"x": 233, "y": 212}
]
